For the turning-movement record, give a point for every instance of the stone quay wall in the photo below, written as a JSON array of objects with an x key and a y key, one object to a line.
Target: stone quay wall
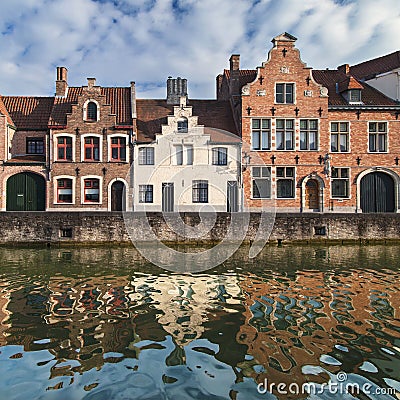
[{"x": 54, "y": 228}]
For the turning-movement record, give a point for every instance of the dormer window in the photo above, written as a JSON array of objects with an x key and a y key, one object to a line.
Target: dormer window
[
  {"x": 182, "y": 125},
  {"x": 354, "y": 96}
]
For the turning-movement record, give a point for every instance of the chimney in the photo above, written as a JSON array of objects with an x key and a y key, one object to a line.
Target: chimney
[
  {"x": 133, "y": 100},
  {"x": 176, "y": 88},
  {"x": 234, "y": 62},
  {"x": 91, "y": 82},
  {"x": 234, "y": 83},
  {"x": 345, "y": 68},
  {"x": 61, "y": 82}
]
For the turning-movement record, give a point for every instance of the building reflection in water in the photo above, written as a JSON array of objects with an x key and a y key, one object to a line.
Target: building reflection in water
[{"x": 271, "y": 317}]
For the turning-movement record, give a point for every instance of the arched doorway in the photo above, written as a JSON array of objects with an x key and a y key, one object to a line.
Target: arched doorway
[
  {"x": 26, "y": 192},
  {"x": 117, "y": 196},
  {"x": 377, "y": 193},
  {"x": 312, "y": 195}
]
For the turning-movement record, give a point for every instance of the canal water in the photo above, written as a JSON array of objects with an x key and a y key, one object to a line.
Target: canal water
[{"x": 295, "y": 322}]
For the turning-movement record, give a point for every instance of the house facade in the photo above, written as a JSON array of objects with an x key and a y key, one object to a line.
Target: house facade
[{"x": 315, "y": 141}]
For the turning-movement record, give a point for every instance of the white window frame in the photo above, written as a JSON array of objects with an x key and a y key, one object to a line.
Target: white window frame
[
  {"x": 308, "y": 130},
  {"x": 377, "y": 133},
  {"x": 285, "y": 130},
  {"x": 55, "y": 189},
  {"x": 55, "y": 146},
  {"x": 260, "y": 132},
  {"x": 85, "y": 110},
  {"x": 109, "y": 150},
  {"x": 83, "y": 137},
  {"x": 138, "y": 155},
  {"x": 341, "y": 179},
  {"x": 291, "y": 178},
  {"x": 284, "y": 94},
  {"x": 266, "y": 178},
  {"x": 100, "y": 178},
  {"x": 347, "y": 133}
]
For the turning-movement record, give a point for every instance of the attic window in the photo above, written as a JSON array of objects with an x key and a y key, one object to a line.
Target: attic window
[
  {"x": 355, "y": 96},
  {"x": 182, "y": 125},
  {"x": 91, "y": 112}
]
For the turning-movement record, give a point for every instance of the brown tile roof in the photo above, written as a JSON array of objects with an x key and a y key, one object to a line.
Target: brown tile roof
[
  {"x": 118, "y": 97},
  {"x": 151, "y": 114},
  {"x": 245, "y": 75},
  {"x": 349, "y": 83},
  {"x": 369, "y": 69},
  {"x": 29, "y": 112},
  {"x": 4, "y": 111},
  {"x": 329, "y": 79}
]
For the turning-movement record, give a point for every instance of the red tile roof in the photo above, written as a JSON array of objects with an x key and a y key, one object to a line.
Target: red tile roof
[
  {"x": 29, "y": 112},
  {"x": 4, "y": 111},
  {"x": 118, "y": 97},
  {"x": 349, "y": 83},
  {"x": 151, "y": 114},
  {"x": 369, "y": 69},
  {"x": 245, "y": 75},
  {"x": 329, "y": 79}
]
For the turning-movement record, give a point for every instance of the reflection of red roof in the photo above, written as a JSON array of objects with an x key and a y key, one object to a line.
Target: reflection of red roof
[
  {"x": 4, "y": 111},
  {"x": 118, "y": 97},
  {"x": 29, "y": 112},
  {"x": 369, "y": 69},
  {"x": 329, "y": 79},
  {"x": 151, "y": 114}
]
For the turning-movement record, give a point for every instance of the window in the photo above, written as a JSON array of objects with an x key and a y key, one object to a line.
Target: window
[
  {"x": 200, "y": 192},
  {"x": 377, "y": 136},
  {"x": 261, "y": 134},
  {"x": 145, "y": 193},
  {"x": 64, "y": 190},
  {"x": 308, "y": 134},
  {"x": 34, "y": 146},
  {"x": 284, "y": 93},
  {"x": 261, "y": 182},
  {"x": 91, "y": 190},
  {"x": 340, "y": 137},
  {"x": 118, "y": 149},
  {"x": 284, "y": 134},
  {"x": 340, "y": 182},
  {"x": 91, "y": 111},
  {"x": 178, "y": 154},
  {"x": 146, "y": 156},
  {"x": 189, "y": 155},
  {"x": 355, "y": 96},
  {"x": 92, "y": 149},
  {"x": 285, "y": 182},
  {"x": 182, "y": 125},
  {"x": 64, "y": 148},
  {"x": 220, "y": 156}
]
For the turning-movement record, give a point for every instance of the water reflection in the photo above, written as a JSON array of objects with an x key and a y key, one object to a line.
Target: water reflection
[{"x": 102, "y": 323}]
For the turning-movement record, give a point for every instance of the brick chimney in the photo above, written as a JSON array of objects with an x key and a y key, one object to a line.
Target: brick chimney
[
  {"x": 61, "y": 82},
  {"x": 234, "y": 68},
  {"x": 345, "y": 68},
  {"x": 176, "y": 88}
]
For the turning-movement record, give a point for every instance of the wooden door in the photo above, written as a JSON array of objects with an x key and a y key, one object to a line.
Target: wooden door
[
  {"x": 117, "y": 190},
  {"x": 312, "y": 195},
  {"x": 377, "y": 193}
]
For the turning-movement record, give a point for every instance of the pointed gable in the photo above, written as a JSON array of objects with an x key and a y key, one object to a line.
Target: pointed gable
[{"x": 4, "y": 111}]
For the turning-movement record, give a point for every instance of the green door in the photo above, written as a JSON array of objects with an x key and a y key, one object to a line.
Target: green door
[{"x": 26, "y": 192}]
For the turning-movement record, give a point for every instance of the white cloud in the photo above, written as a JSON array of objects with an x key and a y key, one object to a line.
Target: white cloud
[{"x": 146, "y": 41}]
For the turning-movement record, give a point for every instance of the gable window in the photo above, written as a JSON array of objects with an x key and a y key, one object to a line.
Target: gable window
[
  {"x": 200, "y": 191},
  {"x": 182, "y": 125},
  {"x": 308, "y": 134},
  {"x": 118, "y": 149},
  {"x": 179, "y": 154},
  {"x": 91, "y": 148},
  {"x": 260, "y": 134},
  {"x": 189, "y": 155},
  {"x": 340, "y": 137},
  {"x": 34, "y": 146},
  {"x": 340, "y": 182},
  {"x": 354, "y": 96},
  {"x": 261, "y": 182},
  {"x": 284, "y": 134},
  {"x": 91, "y": 111},
  {"x": 64, "y": 190},
  {"x": 377, "y": 137},
  {"x": 64, "y": 148},
  {"x": 145, "y": 193},
  {"x": 285, "y": 182},
  {"x": 284, "y": 93},
  {"x": 220, "y": 156},
  {"x": 146, "y": 156},
  {"x": 91, "y": 190}
]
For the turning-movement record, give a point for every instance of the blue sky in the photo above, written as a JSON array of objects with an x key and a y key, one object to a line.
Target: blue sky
[{"x": 118, "y": 41}]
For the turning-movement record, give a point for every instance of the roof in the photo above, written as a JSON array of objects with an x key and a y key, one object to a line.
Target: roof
[
  {"x": 245, "y": 75},
  {"x": 151, "y": 114},
  {"x": 4, "y": 111},
  {"x": 371, "y": 68},
  {"x": 29, "y": 112},
  {"x": 118, "y": 97},
  {"x": 370, "y": 96}
]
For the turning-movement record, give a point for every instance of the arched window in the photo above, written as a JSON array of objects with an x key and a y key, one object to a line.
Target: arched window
[
  {"x": 182, "y": 125},
  {"x": 91, "y": 111}
]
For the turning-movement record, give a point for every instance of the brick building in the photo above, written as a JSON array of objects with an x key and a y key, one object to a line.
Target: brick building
[{"x": 315, "y": 140}]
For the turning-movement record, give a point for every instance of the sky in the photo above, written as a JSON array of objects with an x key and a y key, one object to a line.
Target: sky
[{"x": 119, "y": 41}]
